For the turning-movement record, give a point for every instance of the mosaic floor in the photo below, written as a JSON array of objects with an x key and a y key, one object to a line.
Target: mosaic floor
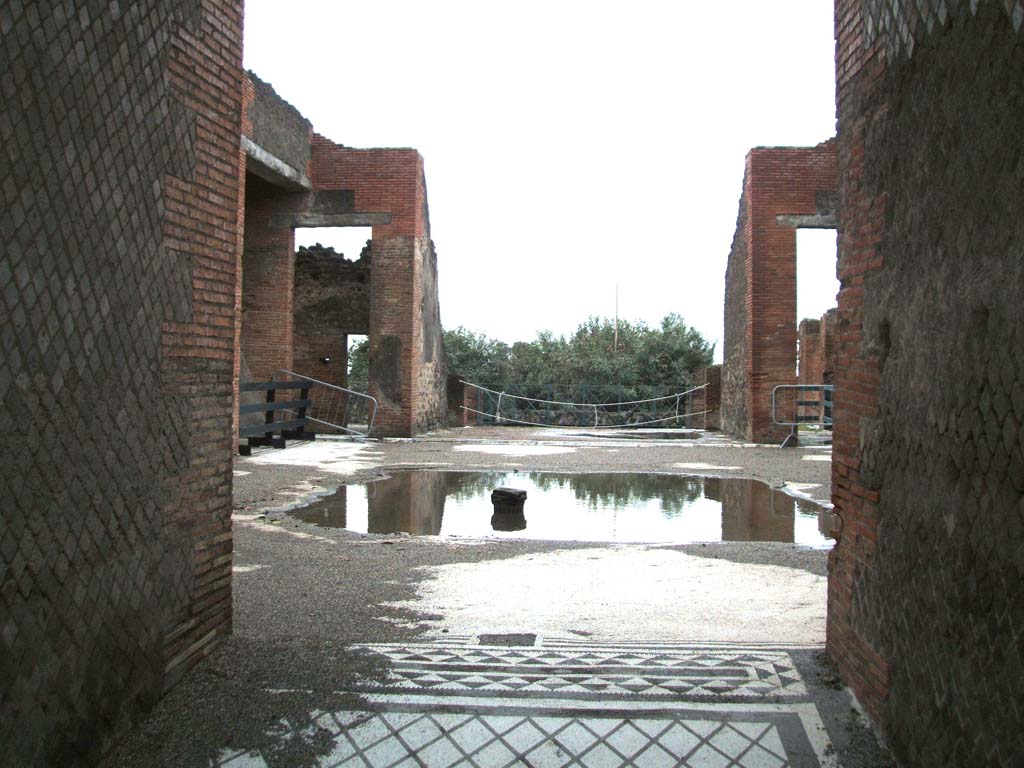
[{"x": 460, "y": 703}]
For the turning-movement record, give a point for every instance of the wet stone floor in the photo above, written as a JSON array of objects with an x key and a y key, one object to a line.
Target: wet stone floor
[
  {"x": 609, "y": 507},
  {"x": 633, "y": 617}
]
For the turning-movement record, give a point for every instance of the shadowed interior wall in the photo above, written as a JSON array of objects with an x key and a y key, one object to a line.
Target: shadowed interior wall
[
  {"x": 268, "y": 281},
  {"x": 760, "y": 289},
  {"x": 926, "y": 610},
  {"x": 119, "y": 186}
]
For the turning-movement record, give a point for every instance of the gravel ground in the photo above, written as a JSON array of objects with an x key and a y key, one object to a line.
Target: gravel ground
[{"x": 303, "y": 596}]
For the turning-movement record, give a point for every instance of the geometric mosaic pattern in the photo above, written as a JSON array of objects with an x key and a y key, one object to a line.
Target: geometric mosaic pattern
[
  {"x": 442, "y": 739},
  {"x": 462, "y": 704},
  {"x": 904, "y": 23},
  {"x": 600, "y": 671}
]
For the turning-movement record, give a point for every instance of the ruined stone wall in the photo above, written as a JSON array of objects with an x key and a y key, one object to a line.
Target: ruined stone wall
[
  {"x": 708, "y": 399},
  {"x": 431, "y": 403},
  {"x": 926, "y": 612},
  {"x": 828, "y": 346},
  {"x": 735, "y": 409},
  {"x": 332, "y": 293},
  {"x": 462, "y": 402},
  {"x": 406, "y": 360},
  {"x": 277, "y": 126},
  {"x": 332, "y": 300},
  {"x": 760, "y": 305},
  {"x": 120, "y": 133}
]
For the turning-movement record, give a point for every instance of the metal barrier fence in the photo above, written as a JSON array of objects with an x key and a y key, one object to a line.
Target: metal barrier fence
[
  {"x": 797, "y": 404},
  {"x": 594, "y": 406},
  {"x": 337, "y": 407}
]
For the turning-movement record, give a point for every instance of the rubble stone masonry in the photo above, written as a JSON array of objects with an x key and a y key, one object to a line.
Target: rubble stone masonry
[
  {"x": 926, "y": 610},
  {"x": 119, "y": 149}
]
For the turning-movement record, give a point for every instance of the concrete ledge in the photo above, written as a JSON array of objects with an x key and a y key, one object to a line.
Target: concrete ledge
[
  {"x": 271, "y": 168},
  {"x": 809, "y": 221},
  {"x": 300, "y": 220}
]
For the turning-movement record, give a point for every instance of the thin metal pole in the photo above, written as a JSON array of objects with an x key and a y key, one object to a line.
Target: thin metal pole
[{"x": 615, "y": 347}]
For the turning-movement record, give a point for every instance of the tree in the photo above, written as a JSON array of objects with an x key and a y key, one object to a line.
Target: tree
[
  {"x": 664, "y": 356},
  {"x": 359, "y": 365},
  {"x": 476, "y": 357}
]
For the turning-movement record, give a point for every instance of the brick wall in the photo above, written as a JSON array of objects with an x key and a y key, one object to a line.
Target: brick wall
[
  {"x": 462, "y": 402},
  {"x": 811, "y": 353},
  {"x": 331, "y": 301},
  {"x": 268, "y": 280},
  {"x": 811, "y": 365},
  {"x": 406, "y": 360},
  {"x": 760, "y": 306},
  {"x": 925, "y": 609},
  {"x": 828, "y": 346},
  {"x": 118, "y": 283},
  {"x": 708, "y": 399},
  {"x": 735, "y": 410}
]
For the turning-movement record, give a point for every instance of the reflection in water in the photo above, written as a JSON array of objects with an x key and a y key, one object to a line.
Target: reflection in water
[
  {"x": 508, "y": 521},
  {"x": 572, "y": 507}
]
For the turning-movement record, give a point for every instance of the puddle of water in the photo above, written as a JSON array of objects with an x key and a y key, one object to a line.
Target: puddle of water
[{"x": 571, "y": 507}]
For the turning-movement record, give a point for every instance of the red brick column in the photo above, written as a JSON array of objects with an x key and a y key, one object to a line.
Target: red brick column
[
  {"x": 778, "y": 181},
  {"x": 389, "y": 181},
  {"x": 199, "y": 360},
  {"x": 784, "y": 181}
]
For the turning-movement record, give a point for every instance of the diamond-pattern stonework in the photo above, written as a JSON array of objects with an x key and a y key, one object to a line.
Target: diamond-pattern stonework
[
  {"x": 905, "y": 23},
  {"x": 602, "y": 671},
  {"x": 116, "y": 288},
  {"x": 926, "y": 611}
]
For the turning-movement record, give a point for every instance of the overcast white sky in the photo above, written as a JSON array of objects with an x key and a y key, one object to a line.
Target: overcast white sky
[{"x": 568, "y": 145}]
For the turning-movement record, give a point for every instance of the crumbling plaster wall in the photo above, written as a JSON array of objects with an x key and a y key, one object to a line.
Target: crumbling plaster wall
[
  {"x": 117, "y": 280},
  {"x": 926, "y": 612}
]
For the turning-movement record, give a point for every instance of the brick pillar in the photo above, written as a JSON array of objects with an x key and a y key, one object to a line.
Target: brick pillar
[
  {"x": 760, "y": 306},
  {"x": 268, "y": 282},
  {"x": 811, "y": 364},
  {"x": 406, "y": 359}
]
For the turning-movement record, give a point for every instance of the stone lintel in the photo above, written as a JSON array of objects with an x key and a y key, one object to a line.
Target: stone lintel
[
  {"x": 302, "y": 220},
  {"x": 271, "y": 168},
  {"x": 807, "y": 221}
]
